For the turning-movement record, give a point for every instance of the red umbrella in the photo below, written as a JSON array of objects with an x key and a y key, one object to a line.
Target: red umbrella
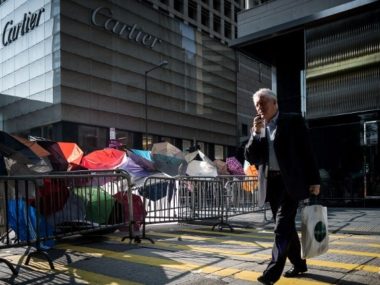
[
  {"x": 108, "y": 158},
  {"x": 72, "y": 153},
  {"x": 139, "y": 212}
]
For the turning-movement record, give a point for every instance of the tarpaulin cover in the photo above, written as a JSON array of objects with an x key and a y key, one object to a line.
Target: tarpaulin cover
[{"x": 23, "y": 220}]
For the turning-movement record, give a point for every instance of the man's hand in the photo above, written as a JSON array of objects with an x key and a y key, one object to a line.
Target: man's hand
[
  {"x": 314, "y": 189},
  {"x": 258, "y": 124}
]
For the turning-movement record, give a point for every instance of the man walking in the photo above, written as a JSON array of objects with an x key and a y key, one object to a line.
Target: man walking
[{"x": 280, "y": 147}]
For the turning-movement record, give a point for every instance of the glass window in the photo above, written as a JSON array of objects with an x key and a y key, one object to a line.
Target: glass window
[
  {"x": 219, "y": 152},
  {"x": 244, "y": 130},
  {"x": 205, "y": 17},
  {"x": 192, "y": 9},
  {"x": 227, "y": 9},
  {"x": 186, "y": 144},
  {"x": 217, "y": 24},
  {"x": 92, "y": 138},
  {"x": 125, "y": 139},
  {"x": 216, "y": 5},
  {"x": 178, "y": 5},
  {"x": 167, "y": 139},
  {"x": 201, "y": 146},
  {"x": 147, "y": 141}
]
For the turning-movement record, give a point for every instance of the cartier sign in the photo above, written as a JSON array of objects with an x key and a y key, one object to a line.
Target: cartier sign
[
  {"x": 102, "y": 17},
  {"x": 12, "y": 31}
]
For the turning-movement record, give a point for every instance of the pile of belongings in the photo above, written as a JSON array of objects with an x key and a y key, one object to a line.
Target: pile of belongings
[{"x": 85, "y": 204}]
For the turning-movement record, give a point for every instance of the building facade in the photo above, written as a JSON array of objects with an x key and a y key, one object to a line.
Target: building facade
[
  {"x": 136, "y": 71},
  {"x": 327, "y": 60}
]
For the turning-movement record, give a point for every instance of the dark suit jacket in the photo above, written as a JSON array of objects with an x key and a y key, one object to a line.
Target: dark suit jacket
[{"x": 294, "y": 154}]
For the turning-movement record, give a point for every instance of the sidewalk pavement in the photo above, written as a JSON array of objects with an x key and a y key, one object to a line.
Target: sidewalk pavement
[
  {"x": 358, "y": 221},
  {"x": 193, "y": 254}
]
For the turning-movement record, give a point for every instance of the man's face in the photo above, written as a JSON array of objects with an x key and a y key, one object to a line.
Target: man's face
[{"x": 266, "y": 107}]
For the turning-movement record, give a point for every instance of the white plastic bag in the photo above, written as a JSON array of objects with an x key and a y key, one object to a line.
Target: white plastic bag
[{"x": 314, "y": 231}]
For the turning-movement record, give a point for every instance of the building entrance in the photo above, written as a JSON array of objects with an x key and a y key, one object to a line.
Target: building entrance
[{"x": 371, "y": 160}]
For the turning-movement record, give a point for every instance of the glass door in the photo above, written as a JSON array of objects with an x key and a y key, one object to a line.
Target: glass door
[{"x": 371, "y": 159}]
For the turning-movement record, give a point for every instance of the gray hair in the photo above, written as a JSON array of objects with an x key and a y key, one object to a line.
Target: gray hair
[{"x": 266, "y": 92}]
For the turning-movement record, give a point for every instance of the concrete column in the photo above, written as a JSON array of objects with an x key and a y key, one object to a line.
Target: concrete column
[
  {"x": 186, "y": 9},
  {"x": 211, "y": 16},
  {"x": 199, "y": 15},
  {"x": 222, "y": 19}
]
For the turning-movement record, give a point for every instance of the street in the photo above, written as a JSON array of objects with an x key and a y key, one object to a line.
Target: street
[{"x": 194, "y": 254}]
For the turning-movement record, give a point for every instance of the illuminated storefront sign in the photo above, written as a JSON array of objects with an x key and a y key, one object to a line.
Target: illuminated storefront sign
[
  {"x": 131, "y": 32},
  {"x": 12, "y": 31}
]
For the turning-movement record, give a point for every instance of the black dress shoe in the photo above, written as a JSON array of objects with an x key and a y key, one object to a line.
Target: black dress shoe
[
  {"x": 262, "y": 279},
  {"x": 295, "y": 271}
]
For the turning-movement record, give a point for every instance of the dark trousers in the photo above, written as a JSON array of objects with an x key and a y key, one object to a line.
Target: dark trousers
[{"x": 286, "y": 243}]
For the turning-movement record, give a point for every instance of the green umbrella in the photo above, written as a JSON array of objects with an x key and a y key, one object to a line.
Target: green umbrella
[{"x": 98, "y": 203}]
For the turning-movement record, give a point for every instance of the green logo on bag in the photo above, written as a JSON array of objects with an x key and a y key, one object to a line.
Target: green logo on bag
[{"x": 320, "y": 231}]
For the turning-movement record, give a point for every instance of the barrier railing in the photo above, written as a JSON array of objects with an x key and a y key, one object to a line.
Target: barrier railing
[
  {"x": 35, "y": 210},
  {"x": 189, "y": 198}
]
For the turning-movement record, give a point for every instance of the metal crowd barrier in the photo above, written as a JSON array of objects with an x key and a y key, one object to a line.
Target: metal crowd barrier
[
  {"x": 36, "y": 210},
  {"x": 189, "y": 198}
]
